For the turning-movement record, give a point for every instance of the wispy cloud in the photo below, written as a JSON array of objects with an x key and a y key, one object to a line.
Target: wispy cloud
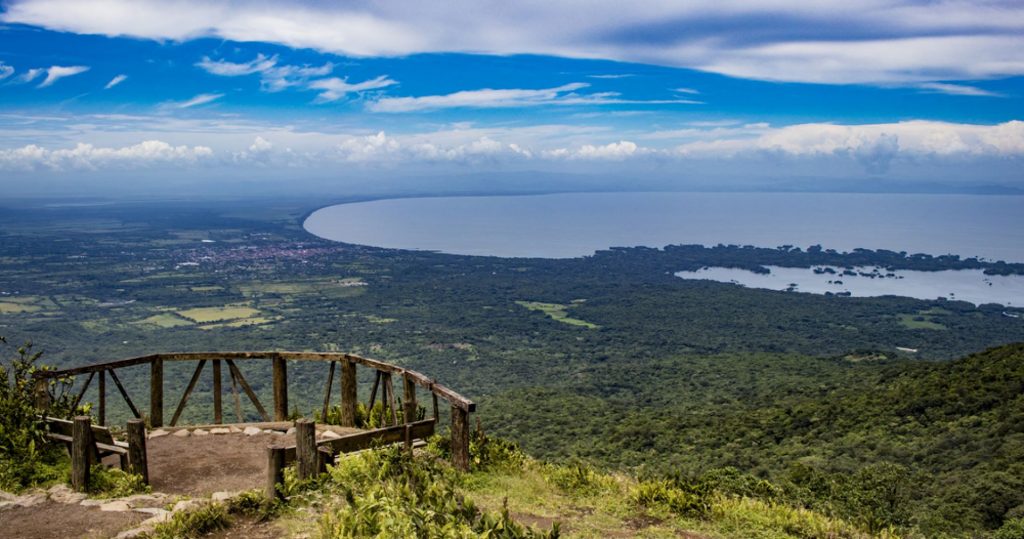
[
  {"x": 31, "y": 75},
  {"x": 511, "y": 98},
  {"x": 200, "y": 99},
  {"x": 88, "y": 157},
  {"x": 5, "y": 71},
  {"x": 956, "y": 89},
  {"x": 334, "y": 88},
  {"x": 689, "y": 91},
  {"x": 612, "y": 76},
  {"x": 115, "y": 81},
  {"x": 55, "y": 73},
  {"x": 830, "y": 41},
  {"x": 274, "y": 77}
]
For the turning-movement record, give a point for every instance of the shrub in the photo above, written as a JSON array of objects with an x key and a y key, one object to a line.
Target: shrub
[
  {"x": 684, "y": 498},
  {"x": 114, "y": 483},
  {"x": 1011, "y": 529},
  {"x": 26, "y": 458},
  {"x": 193, "y": 523}
]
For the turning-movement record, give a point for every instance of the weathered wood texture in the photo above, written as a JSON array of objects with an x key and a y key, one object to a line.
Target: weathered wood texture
[
  {"x": 275, "y": 472},
  {"x": 409, "y": 399},
  {"x": 419, "y": 379},
  {"x": 102, "y": 412},
  {"x": 138, "y": 462},
  {"x": 218, "y": 412},
  {"x": 305, "y": 449},
  {"x": 156, "y": 393},
  {"x": 349, "y": 394},
  {"x": 460, "y": 438},
  {"x": 188, "y": 391},
  {"x": 81, "y": 453},
  {"x": 280, "y": 389}
]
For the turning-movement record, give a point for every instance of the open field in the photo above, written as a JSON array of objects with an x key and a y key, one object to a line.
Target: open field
[
  {"x": 557, "y": 312},
  {"x": 218, "y": 314}
]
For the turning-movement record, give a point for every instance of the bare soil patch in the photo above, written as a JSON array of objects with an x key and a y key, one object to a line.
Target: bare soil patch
[
  {"x": 47, "y": 520},
  {"x": 202, "y": 465}
]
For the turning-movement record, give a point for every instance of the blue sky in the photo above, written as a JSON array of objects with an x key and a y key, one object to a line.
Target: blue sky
[{"x": 101, "y": 92}]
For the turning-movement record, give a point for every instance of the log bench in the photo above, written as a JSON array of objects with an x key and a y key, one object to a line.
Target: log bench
[{"x": 88, "y": 444}]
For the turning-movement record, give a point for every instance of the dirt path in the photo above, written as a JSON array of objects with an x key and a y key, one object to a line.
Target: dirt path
[
  {"x": 49, "y": 519},
  {"x": 202, "y": 465}
]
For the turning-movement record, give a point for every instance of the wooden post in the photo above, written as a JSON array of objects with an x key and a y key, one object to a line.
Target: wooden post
[
  {"x": 460, "y": 438},
  {"x": 156, "y": 393},
  {"x": 409, "y": 399},
  {"x": 305, "y": 449},
  {"x": 327, "y": 392},
  {"x": 103, "y": 398},
  {"x": 137, "y": 461},
  {"x": 42, "y": 394},
  {"x": 218, "y": 416},
  {"x": 280, "y": 389},
  {"x": 81, "y": 451},
  {"x": 348, "y": 393},
  {"x": 275, "y": 472}
]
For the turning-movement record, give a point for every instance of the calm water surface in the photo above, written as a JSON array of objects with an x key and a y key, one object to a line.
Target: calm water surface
[
  {"x": 577, "y": 224},
  {"x": 966, "y": 285}
]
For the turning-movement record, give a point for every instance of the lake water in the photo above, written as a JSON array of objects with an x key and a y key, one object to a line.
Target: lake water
[
  {"x": 577, "y": 224},
  {"x": 966, "y": 285}
]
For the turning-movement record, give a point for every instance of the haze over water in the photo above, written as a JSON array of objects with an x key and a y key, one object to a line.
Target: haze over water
[{"x": 577, "y": 224}]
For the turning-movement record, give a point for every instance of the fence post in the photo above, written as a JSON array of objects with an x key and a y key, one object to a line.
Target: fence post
[
  {"x": 348, "y": 393},
  {"x": 275, "y": 472},
  {"x": 218, "y": 416},
  {"x": 81, "y": 451},
  {"x": 42, "y": 393},
  {"x": 156, "y": 393},
  {"x": 305, "y": 449},
  {"x": 409, "y": 399},
  {"x": 280, "y": 389},
  {"x": 137, "y": 460},
  {"x": 103, "y": 399},
  {"x": 460, "y": 438}
]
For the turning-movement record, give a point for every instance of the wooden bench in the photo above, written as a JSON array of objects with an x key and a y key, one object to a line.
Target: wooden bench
[{"x": 103, "y": 445}]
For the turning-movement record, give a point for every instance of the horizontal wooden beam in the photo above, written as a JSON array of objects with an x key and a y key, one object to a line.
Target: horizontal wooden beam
[{"x": 419, "y": 379}]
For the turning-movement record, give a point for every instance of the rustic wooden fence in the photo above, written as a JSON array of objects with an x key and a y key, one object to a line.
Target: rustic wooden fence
[{"x": 384, "y": 380}]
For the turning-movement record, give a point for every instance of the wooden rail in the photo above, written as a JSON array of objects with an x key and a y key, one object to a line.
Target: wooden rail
[
  {"x": 88, "y": 444},
  {"x": 384, "y": 382}
]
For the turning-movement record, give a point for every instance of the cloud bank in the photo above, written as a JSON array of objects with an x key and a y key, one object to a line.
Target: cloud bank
[{"x": 829, "y": 41}]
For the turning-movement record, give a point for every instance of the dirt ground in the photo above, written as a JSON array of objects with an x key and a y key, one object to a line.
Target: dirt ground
[
  {"x": 202, "y": 465},
  {"x": 48, "y": 520}
]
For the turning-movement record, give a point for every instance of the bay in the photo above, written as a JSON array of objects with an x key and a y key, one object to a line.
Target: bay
[{"x": 577, "y": 224}]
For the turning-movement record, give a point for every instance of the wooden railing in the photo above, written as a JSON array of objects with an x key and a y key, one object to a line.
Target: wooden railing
[{"x": 384, "y": 374}]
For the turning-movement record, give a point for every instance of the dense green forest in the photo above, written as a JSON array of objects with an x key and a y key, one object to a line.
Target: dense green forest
[{"x": 608, "y": 358}]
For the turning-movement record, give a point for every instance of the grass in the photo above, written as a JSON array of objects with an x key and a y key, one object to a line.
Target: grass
[
  {"x": 213, "y": 288},
  {"x": 204, "y": 315},
  {"x": 919, "y": 321},
  {"x": 557, "y": 312},
  {"x": 165, "y": 320},
  {"x": 15, "y": 308}
]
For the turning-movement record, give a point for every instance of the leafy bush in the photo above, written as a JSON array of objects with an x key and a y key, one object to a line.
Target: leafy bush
[
  {"x": 192, "y": 523},
  {"x": 366, "y": 418},
  {"x": 388, "y": 493},
  {"x": 578, "y": 478},
  {"x": 114, "y": 483},
  {"x": 1011, "y": 529},
  {"x": 26, "y": 458},
  {"x": 684, "y": 498},
  {"x": 253, "y": 503}
]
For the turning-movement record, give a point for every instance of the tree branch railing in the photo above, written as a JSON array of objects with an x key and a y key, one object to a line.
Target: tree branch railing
[{"x": 384, "y": 382}]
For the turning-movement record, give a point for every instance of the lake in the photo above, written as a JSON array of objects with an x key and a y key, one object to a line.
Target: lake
[
  {"x": 966, "y": 285},
  {"x": 577, "y": 224}
]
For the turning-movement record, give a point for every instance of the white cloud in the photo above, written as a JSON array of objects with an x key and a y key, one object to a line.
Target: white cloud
[
  {"x": 611, "y": 76},
  {"x": 200, "y": 99},
  {"x": 333, "y": 89},
  {"x": 830, "y": 41},
  {"x": 5, "y": 71},
  {"x": 115, "y": 81},
  {"x": 509, "y": 98},
  {"x": 31, "y": 75},
  {"x": 690, "y": 91},
  {"x": 55, "y": 73},
  {"x": 956, "y": 89},
  {"x": 274, "y": 77},
  {"x": 88, "y": 157}
]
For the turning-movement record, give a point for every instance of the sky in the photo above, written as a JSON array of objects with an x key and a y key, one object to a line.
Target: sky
[{"x": 101, "y": 96}]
